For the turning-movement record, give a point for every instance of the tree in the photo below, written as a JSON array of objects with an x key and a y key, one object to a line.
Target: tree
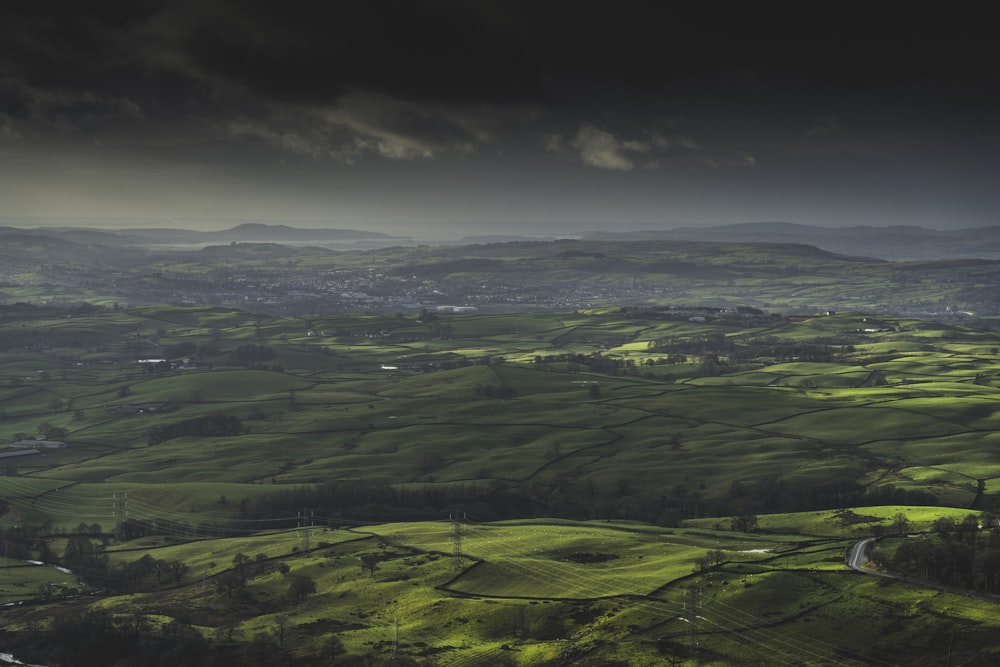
[
  {"x": 878, "y": 557},
  {"x": 78, "y": 549},
  {"x": 301, "y": 588},
  {"x": 945, "y": 527},
  {"x": 242, "y": 563},
  {"x": 369, "y": 562},
  {"x": 969, "y": 529},
  {"x": 332, "y": 649},
  {"x": 745, "y": 521},
  {"x": 264, "y": 650},
  {"x": 900, "y": 524},
  {"x": 226, "y": 582},
  {"x": 284, "y": 622},
  {"x": 177, "y": 570},
  {"x": 228, "y": 631},
  {"x": 56, "y": 433}
]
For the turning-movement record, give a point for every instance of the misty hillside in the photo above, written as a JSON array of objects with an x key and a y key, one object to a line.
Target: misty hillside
[{"x": 895, "y": 243}]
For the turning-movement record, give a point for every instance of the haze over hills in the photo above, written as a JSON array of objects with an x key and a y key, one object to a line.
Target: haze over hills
[
  {"x": 891, "y": 242},
  {"x": 246, "y": 232},
  {"x": 482, "y": 267},
  {"x": 895, "y": 242},
  {"x": 395, "y": 275}
]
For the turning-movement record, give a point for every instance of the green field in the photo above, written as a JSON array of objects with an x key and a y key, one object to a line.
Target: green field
[{"x": 595, "y": 459}]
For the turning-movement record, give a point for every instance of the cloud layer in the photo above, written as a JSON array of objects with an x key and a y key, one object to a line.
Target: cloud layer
[{"x": 511, "y": 96}]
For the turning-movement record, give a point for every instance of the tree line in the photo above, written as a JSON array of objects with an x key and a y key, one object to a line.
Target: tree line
[
  {"x": 963, "y": 554},
  {"x": 215, "y": 424}
]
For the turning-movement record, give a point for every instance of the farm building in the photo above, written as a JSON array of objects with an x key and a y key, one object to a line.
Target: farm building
[
  {"x": 15, "y": 453},
  {"x": 38, "y": 444}
]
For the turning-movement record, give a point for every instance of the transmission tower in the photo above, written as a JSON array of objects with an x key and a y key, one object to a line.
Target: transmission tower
[
  {"x": 395, "y": 638},
  {"x": 691, "y": 605},
  {"x": 120, "y": 506},
  {"x": 305, "y": 523},
  {"x": 456, "y": 539}
]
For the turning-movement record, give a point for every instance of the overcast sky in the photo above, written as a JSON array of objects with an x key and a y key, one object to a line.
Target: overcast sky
[{"x": 415, "y": 112}]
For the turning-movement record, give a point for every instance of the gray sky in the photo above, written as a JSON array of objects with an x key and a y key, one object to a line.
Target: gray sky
[{"x": 416, "y": 112}]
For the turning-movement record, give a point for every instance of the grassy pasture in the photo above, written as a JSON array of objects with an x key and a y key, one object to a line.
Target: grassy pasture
[
  {"x": 20, "y": 581},
  {"x": 852, "y": 426},
  {"x": 843, "y": 524},
  {"x": 615, "y": 451}
]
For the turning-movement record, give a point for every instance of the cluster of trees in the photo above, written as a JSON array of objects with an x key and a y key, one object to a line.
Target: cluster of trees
[
  {"x": 594, "y": 362},
  {"x": 253, "y": 357},
  {"x": 359, "y": 500},
  {"x": 778, "y": 494},
  {"x": 246, "y": 568},
  {"x": 714, "y": 343},
  {"x": 97, "y": 638},
  {"x": 493, "y": 391},
  {"x": 131, "y": 529},
  {"x": 158, "y": 367},
  {"x": 186, "y": 349},
  {"x": 252, "y": 354},
  {"x": 964, "y": 554},
  {"x": 23, "y": 542},
  {"x": 49, "y": 432},
  {"x": 783, "y": 350},
  {"x": 219, "y": 423},
  {"x": 86, "y": 558},
  {"x": 771, "y": 348}
]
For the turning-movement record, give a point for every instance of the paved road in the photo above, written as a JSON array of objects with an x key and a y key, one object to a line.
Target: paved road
[{"x": 856, "y": 559}]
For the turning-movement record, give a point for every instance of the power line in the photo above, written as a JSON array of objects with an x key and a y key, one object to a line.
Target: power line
[
  {"x": 120, "y": 512},
  {"x": 456, "y": 540}
]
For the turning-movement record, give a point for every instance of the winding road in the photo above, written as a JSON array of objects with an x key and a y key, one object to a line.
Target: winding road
[{"x": 856, "y": 559}]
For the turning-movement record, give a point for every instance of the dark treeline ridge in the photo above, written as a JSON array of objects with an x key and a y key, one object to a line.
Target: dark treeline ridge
[
  {"x": 219, "y": 423},
  {"x": 96, "y": 638},
  {"x": 361, "y": 501},
  {"x": 764, "y": 348},
  {"x": 965, "y": 554}
]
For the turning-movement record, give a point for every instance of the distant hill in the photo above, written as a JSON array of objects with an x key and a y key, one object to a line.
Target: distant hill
[
  {"x": 261, "y": 251},
  {"x": 253, "y": 231},
  {"x": 497, "y": 238},
  {"x": 249, "y": 232},
  {"x": 894, "y": 243}
]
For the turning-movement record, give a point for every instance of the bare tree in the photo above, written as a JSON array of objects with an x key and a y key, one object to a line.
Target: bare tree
[
  {"x": 301, "y": 588},
  {"x": 177, "y": 570},
  {"x": 745, "y": 521},
  {"x": 900, "y": 524}
]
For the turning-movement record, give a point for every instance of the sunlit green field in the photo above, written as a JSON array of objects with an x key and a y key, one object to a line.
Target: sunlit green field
[
  {"x": 575, "y": 415},
  {"x": 432, "y": 415},
  {"x": 522, "y": 591}
]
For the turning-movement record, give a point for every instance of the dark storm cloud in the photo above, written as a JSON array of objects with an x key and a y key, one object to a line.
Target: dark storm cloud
[
  {"x": 262, "y": 61},
  {"x": 646, "y": 93},
  {"x": 316, "y": 52}
]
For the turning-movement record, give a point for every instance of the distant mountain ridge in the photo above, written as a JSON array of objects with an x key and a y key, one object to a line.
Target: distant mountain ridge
[
  {"x": 247, "y": 232},
  {"x": 894, "y": 243}
]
